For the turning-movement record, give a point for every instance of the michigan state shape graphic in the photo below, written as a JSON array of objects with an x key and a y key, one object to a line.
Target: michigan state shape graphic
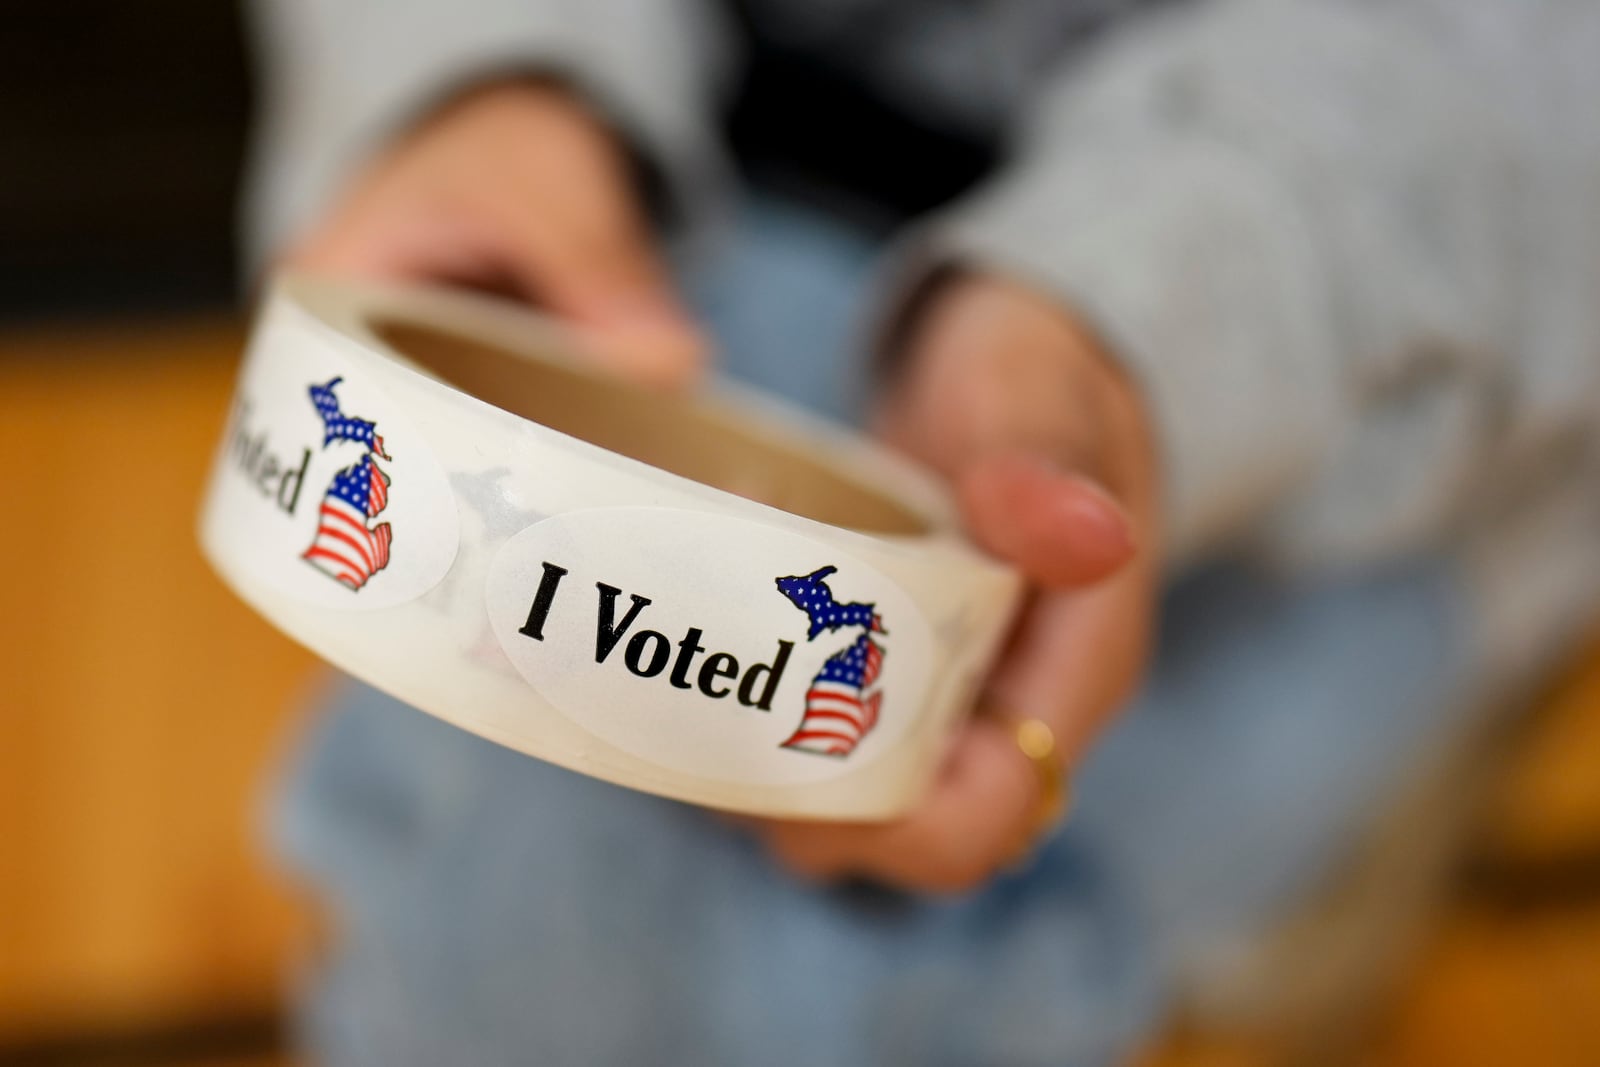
[
  {"x": 347, "y": 547},
  {"x": 840, "y": 709}
]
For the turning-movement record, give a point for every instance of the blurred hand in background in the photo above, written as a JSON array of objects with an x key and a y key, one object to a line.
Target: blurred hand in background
[{"x": 517, "y": 188}]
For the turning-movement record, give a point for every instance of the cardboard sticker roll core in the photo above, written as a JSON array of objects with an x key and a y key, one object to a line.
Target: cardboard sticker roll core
[{"x": 707, "y": 596}]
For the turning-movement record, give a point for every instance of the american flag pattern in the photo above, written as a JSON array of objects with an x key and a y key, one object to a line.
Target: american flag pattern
[
  {"x": 337, "y": 426},
  {"x": 347, "y": 547},
  {"x": 810, "y": 593},
  {"x": 841, "y": 705},
  {"x": 839, "y": 710}
]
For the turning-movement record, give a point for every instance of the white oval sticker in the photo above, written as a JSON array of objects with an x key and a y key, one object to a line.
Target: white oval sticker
[
  {"x": 710, "y": 645},
  {"x": 322, "y": 484}
]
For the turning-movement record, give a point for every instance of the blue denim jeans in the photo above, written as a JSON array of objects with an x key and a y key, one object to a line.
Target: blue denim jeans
[{"x": 493, "y": 910}]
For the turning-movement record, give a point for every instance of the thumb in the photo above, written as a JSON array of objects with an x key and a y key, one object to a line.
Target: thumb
[
  {"x": 605, "y": 280},
  {"x": 1060, "y": 528}
]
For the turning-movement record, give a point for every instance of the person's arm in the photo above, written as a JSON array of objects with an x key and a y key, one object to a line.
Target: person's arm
[
  {"x": 1347, "y": 250},
  {"x": 340, "y": 78},
  {"x": 492, "y": 143}
]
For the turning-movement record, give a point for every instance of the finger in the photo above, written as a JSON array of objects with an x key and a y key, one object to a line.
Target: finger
[
  {"x": 1075, "y": 658},
  {"x": 590, "y": 266},
  {"x": 972, "y": 822},
  {"x": 1060, "y": 529},
  {"x": 400, "y": 246},
  {"x": 597, "y": 268}
]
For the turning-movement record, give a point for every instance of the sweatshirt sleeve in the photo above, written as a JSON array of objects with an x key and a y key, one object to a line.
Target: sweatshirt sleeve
[
  {"x": 339, "y": 76},
  {"x": 1350, "y": 250}
]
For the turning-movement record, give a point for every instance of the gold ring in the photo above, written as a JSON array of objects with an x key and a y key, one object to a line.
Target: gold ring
[{"x": 1038, "y": 742}]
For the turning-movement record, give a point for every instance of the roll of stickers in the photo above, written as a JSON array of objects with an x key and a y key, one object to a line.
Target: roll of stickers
[{"x": 709, "y": 597}]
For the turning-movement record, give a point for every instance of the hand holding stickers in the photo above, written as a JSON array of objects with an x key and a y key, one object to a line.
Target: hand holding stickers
[{"x": 635, "y": 623}]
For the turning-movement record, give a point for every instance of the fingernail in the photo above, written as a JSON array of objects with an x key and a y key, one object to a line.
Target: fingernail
[
  {"x": 1095, "y": 506},
  {"x": 1088, "y": 503}
]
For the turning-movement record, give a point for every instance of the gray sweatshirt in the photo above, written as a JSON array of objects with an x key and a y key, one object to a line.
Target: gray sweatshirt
[{"x": 1350, "y": 249}]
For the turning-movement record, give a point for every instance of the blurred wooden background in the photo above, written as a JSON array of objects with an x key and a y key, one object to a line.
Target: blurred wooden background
[
  {"x": 142, "y": 706},
  {"x": 142, "y": 702}
]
